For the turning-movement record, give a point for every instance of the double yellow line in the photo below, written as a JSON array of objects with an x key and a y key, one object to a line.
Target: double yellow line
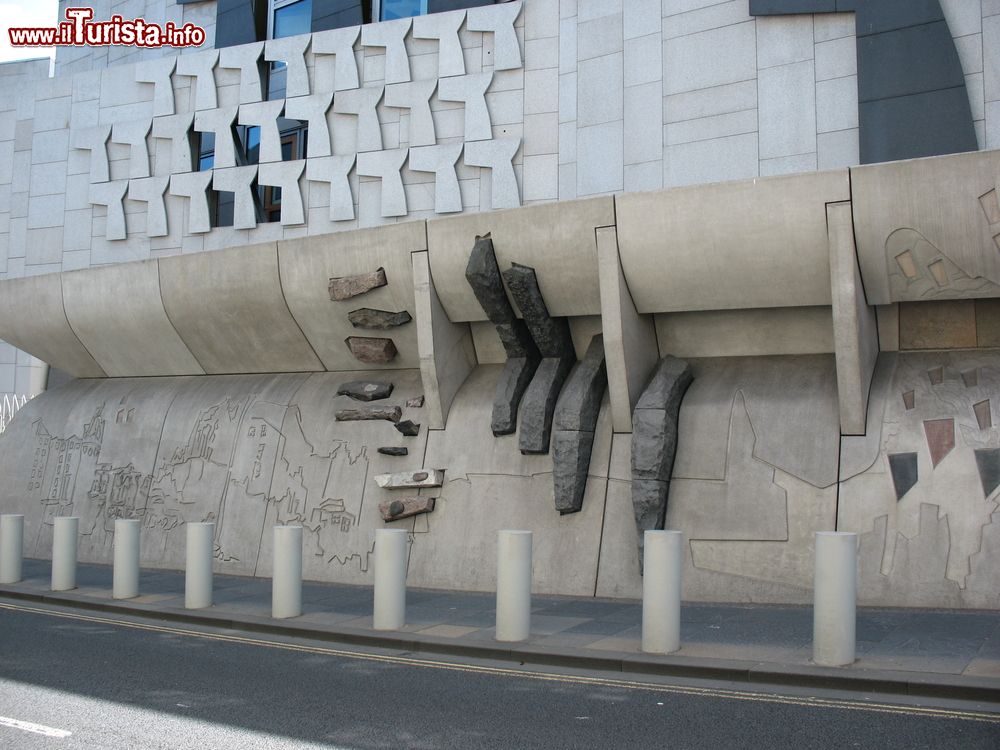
[{"x": 832, "y": 703}]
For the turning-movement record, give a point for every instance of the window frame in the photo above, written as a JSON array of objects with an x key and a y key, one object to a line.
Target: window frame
[
  {"x": 272, "y": 7},
  {"x": 377, "y": 10}
]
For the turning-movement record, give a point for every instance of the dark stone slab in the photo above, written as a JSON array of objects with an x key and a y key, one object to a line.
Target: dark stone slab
[
  {"x": 346, "y": 287},
  {"x": 408, "y": 428},
  {"x": 394, "y": 510},
  {"x": 514, "y": 379},
  {"x": 390, "y": 413},
  {"x": 667, "y": 385},
  {"x": 988, "y": 463},
  {"x": 371, "y": 351},
  {"x": 483, "y": 275},
  {"x": 571, "y": 450},
  {"x": 415, "y": 403},
  {"x": 649, "y": 506},
  {"x": 378, "y": 320},
  {"x": 540, "y": 403},
  {"x": 895, "y": 71},
  {"x": 783, "y": 7},
  {"x": 394, "y": 451},
  {"x": 878, "y": 16},
  {"x": 551, "y": 335},
  {"x": 365, "y": 390},
  {"x": 945, "y": 126},
  {"x": 903, "y": 467},
  {"x": 651, "y": 449}
]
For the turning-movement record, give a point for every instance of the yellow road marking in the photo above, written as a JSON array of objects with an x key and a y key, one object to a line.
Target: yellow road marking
[{"x": 887, "y": 708}]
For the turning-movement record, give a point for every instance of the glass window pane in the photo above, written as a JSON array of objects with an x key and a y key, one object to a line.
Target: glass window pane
[
  {"x": 292, "y": 19},
  {"x": 392, "y": 9}
]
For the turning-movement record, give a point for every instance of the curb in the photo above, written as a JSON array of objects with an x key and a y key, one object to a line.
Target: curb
[{"x": 886, "y": 682}]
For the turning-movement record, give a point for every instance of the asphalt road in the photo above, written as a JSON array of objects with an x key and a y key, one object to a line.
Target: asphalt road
[{"x": 81, "y": 680}]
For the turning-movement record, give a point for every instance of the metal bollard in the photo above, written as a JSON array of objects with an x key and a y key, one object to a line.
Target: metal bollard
[
  {"x": 11, "y": 547},
  {"x": 663, "y": 561},
  {"x": 64, "y": 543},
  {"x": 390, "y": 579},
  {"x": 125, "y": 578},
  {"x": 198, "y": 567},
  {"x": 286, "y": 580},
  {"x": 513, "y": 585},
  {"x": 835, "y": 591}
]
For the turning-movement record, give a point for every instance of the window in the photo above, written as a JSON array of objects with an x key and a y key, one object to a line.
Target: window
[
  {"x": 389, "y": 10},
  {"x": 288, "y": 18}
]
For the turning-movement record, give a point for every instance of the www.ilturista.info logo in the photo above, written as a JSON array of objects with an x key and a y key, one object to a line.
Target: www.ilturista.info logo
[{"x": 80, "y": 30}]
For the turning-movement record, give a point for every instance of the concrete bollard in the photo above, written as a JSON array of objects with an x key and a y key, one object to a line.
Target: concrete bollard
[
  {"x": 11, "y": 547},
  {"x": 835, "y": 591},
  {"x": 662, "y": 563},
  {"x": 125, "y": 578},
  {"x": 286, "y": 580},
  {"x": 513, "y": 585},
  {"x": 390, "y": 579},
  {"x": 198, "y": 566},
  {"x": 64, "y": 543}
]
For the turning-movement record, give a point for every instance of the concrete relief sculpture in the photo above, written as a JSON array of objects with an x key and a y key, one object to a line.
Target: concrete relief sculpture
[
  {"x": 920, "y": 271},
  {"x": 443, "y": 27},
  {"x": 150, "y": 191},
  {"x": 134, "y": 135},
  {"x": 95, "y": 140},
  {"x": 201, "y": 67},
  {"x": 158, "y": 73},
  {"x": 194, "y": 186}
]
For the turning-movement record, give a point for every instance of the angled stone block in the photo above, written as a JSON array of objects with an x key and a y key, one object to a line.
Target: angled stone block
[
  {"x": 110, "y": 194},
  {"x": 177, "y": 130},
  {"x": 365, "y": 390},
  {"x": 371, "y": 350},
  {"x": 246, "y": 59},
  {"x": 571, "y": 451},
  {"x": 551, "y": 335},
  {"x": 393, "y": 450},
  {"x": 440, "y": 160},
  {"x": 240, "y": 181},
  {"x": 378, "y": 320},
  {"x": 95, "y": 140},
  {"x": 363, "y": 104},
  {"x": 499, "y": 20},
  {"x": 158, "y": 73},
  {"x": 408, "y": 428},
  {"x": 201, "y": 67},
  {"x": 392, "y": 36},
  {"x": 220, "y": 122},
  {"x": 340, "y": 44},
  {"x": 134, "y": 135},
  {"x": 312, "y": 110},
  {"x": 410, "y": 479},
  {"x": 334, "y": 170},
  {"x": 394, "y": 510},
  {"x": 514, "y": 381},
  {"x": 443, "y": 27},
  {"x": 470, "y": 89},
  {"x": 539, "y": 404},
  {"x": 265, "y": 116},
  {"x": 345, "y": 287},
  {"x": 580, "y": 401},
  {"x": 388, "y": 413},
  {"x": 649, "y": 506},
  {"x": 497, "y": 156},
  {"x": 286, "y": 175},
  {"x": 416, "y": 97},
  {"x": 386, "y": 165},
  {"x": 194, "y": 186},
  {"x": 150, "y": 191},
  {"x": 291, "y": 50}
]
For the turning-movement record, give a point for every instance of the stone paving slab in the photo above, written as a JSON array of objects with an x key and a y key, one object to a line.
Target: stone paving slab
[{"x": 932, "y": 652}]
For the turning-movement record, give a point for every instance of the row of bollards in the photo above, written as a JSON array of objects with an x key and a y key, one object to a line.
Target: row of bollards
[{"x": 834, "y": 605}]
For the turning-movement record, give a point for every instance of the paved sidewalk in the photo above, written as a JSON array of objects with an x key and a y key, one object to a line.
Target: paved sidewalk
[{"x": 942, "y": 653}]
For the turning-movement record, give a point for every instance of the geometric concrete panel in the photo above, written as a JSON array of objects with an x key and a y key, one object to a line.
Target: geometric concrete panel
[
  {"x": 245, "y": 58},
  {"x": 470, "y": 89},
  {"x": 766, "y": 238},
  {"x": 392, "y": 36},
  {"x": 497, "y": 156},
  {"x": 111, "y": 194},
  {"x": 241, "y": 182},
  {"x": 443, "y": 27},
  {"x": 150, "y": 190},
  {"x": 286, "y": 175},
  {"x": 334, "y": 170},
  {"x": 95, "y": 140},
  {"x": 499, "y": 20},
  {"x": 33, "y": 318},
  {"x": 134, "y": 135},
  {"x": 307, "y": 264},
  {"x": 938, "y": 201},
  {"x": 903, "y": 467},
  {"x": 386, "y": 165},
  {"x": 158, "y": 72},
  {"x": 312, "y": 110},
  {"x": 556, "y": 239},
  {"x": 363, "y": 103},
  {"x": 265, "y": 115},
  {"x": 118, "y": 314},
  {"x": 291, "y": 51},
  {"x": 340, "y": 44},
  {"x": 177, "y": 130},
  {"x": 440, "y": 160},
  {"x": 415, "y": 97},
  {"x": 194, "y": 186},
  {"x": 201, "y": 67},
  {"x": 227, "y": 307},
  {"x": 220, "y": 122}
]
